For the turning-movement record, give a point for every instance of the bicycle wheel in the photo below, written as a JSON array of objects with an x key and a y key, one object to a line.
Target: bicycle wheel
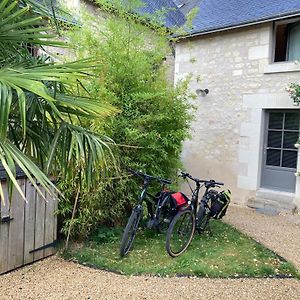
[
  {"x": 130, "y": 231},
  {"x": 180, "y": 232},
  {"x": 202, "y": 219}
]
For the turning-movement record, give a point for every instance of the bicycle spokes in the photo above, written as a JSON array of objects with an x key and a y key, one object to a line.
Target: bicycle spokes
[{"x": 180, "y": 233}]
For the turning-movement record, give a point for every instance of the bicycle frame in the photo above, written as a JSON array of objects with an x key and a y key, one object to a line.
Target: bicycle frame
[
  {"x": 137, "y": 211},
  {"x": 195, "y": 192},
  {"x": 143, "y": 197},
  {"x": 147, "y": 180},
  {"x": 187, "y": 220}
]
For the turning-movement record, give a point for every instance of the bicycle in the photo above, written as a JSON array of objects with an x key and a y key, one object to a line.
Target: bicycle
[
  {"x": 195, "y": 215},
  {"x": 160, "y": 219}
]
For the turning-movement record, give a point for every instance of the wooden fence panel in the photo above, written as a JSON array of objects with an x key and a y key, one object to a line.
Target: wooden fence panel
[
  {"x": 29, "y": 223},
  {"x": 26, "y": 229},
  {"x": 16, "y": 229},
  {"x": 50, "y": 225},
  {"x": 4, "y": 230},
  {"x": 39, "y": 233}
]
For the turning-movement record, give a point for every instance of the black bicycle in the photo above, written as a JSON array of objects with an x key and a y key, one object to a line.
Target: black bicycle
[
  {"x": 159, "y": 212},
  {"x": 194, "y": 216}
]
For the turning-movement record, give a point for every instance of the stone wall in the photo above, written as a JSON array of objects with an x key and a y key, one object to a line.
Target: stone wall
[{"x": 236, "y": 67}]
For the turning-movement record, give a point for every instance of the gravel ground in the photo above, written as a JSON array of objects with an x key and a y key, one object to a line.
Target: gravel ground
[
  {"x": 54, "y": 278},
  {"x": 281, "y": 233}
]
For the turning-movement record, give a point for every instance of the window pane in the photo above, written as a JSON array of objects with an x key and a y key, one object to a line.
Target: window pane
[
  {"x": 294, "y": 42},
  {"x": 291, "y": 121},
  {"x": 273, "y": 157},
  {"x": 289, "y": 159},
  {"x": 290, "y": 139},
  {"x": 274, "y": 139},
  {"x": 281, "y": 43},
  {"x": 276, "y": 121}
]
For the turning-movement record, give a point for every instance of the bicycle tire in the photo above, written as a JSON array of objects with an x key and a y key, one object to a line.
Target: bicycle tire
[
  {"x": 202, "y": 219},
  {"x": 130, "y": 231},
  {"x": 180, "y": 232}
]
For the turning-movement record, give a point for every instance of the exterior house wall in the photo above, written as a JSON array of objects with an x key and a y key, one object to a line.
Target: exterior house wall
[{"x": 227, "y": 134}]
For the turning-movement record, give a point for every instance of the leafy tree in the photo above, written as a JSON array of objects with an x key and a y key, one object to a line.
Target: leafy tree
[{"x": 294, "y": 91}]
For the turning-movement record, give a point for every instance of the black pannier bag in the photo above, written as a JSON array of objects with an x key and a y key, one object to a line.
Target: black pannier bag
[
  {"x": 220, "y": 204},
  {"x": 168, "y": 204}
]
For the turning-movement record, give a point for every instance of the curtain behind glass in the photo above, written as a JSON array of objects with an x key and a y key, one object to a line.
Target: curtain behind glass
[{"x": 294, "y": 42}]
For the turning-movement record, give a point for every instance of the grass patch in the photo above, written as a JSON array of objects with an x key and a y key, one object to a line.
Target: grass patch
[{"x": 227, "y": 253}]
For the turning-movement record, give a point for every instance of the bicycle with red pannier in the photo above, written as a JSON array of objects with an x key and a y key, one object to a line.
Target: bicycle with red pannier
[{"x": 194, "y": 214}]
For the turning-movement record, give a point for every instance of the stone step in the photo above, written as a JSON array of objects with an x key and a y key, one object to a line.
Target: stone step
[
  {"x": 278, "y": 196},
  {"x": 272, "y": 205}
]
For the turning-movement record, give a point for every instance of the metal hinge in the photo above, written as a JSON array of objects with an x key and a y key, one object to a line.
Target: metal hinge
[
  {"x": 53, "y": 244},
  {"x": 6, "y": 219}
]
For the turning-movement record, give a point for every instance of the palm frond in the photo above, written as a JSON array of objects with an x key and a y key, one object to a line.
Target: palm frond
[
  {"x": 74, "y": 147},
  {"x": 20, "y": 27},
  {"x": 39, "y": 101},
  {"x": 5, "y": 104},
  {"x": 22, "y": 79},
  {"x": 10, "y": 157}
]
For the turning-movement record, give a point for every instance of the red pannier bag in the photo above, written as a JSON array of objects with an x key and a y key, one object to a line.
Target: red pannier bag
[{"x": 179, "y": 199}]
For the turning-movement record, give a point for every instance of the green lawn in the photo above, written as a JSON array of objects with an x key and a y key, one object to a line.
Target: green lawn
[{"x": 227, "y": 253}]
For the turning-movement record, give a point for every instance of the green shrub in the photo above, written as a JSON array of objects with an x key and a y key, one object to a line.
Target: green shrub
[
  {"x": 294, "y": 91},
  {"x": 104, "y": 235},
  {"x": 154, "y": 116}
]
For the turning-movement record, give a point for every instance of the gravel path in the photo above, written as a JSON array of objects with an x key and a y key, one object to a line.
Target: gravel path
[
  {"x": 54, "y": 278},
  {"x": 281, "y": 233}
]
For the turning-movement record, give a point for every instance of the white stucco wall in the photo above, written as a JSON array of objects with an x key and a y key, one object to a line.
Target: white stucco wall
[{"x": 235, "y": 66}]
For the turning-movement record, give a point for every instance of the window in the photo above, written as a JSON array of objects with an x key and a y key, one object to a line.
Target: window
[
  {"x": 282, "y": 134},
  {"x": 287, "y": 42}
]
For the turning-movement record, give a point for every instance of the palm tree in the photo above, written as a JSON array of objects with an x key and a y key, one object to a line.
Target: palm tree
[{"x": 40, "y": 106}]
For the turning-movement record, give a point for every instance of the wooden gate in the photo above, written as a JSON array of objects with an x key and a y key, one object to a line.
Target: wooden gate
[{"x": 27, "y": 230}]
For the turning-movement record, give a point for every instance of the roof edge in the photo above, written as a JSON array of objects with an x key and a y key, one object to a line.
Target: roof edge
[{"x": 240, "y": 25}]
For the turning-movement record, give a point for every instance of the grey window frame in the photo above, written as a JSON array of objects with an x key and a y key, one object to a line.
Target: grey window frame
[{"x": 275, "y": 25}]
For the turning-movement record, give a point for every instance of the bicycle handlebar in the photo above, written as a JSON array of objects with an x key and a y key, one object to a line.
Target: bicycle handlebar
[
  {"x": 209, "y": 182},
  {"x": 146, "y": 176}
]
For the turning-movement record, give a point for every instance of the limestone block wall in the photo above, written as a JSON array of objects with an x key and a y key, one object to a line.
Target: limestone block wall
[{"x": 236, "y": 66}]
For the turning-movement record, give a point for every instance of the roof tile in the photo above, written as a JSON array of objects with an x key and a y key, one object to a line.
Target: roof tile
[{"x": 222, "y": 14}]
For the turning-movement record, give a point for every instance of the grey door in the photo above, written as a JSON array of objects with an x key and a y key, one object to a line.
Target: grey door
[{"x": 280, "y": 154}]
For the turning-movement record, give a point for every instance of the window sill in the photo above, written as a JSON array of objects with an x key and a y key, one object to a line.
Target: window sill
[{"x": 282, "y": 67}]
